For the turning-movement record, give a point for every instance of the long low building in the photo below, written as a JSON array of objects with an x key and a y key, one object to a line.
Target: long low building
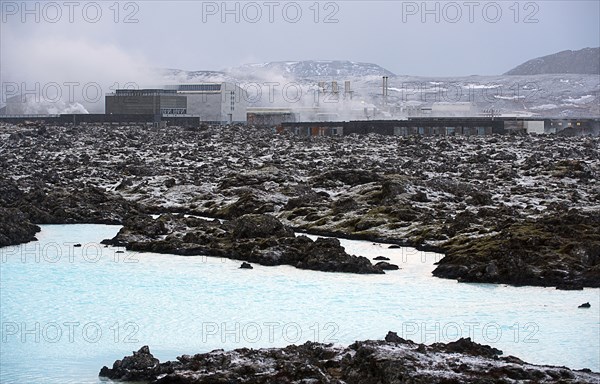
[
  {"x": 412, "y": 126},
  {"x": 270, "y": 117},
  {"x": 444, "y": 126},
  {"x": 101, "y": 118}
]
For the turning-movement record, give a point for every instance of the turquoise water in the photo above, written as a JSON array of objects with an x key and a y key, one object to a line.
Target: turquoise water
[{"x": 68, "y": 311}]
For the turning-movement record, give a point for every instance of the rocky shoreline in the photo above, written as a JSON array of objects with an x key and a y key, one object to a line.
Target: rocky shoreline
[
  {"x": 23, "y": 207},
  {"x": 255, "y": 238},
  {"x": 393, "y": 360},
  {"x": 504, "y": 209},
  {"x": 569, "y": 242}
]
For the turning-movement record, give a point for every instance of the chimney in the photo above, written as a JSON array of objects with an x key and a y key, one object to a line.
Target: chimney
[
  {"x": 347, "y": 91},
  {"x": 385, "y": 89}
]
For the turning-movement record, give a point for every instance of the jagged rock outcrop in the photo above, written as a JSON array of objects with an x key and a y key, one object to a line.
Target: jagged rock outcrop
[
  {"x": 393, "y": 360},
  {"x": 15, "y": 227},
  {"x": 254, "y": 238},
  {"x": 561, "y": 251},
  {"x": 23, "y": 206}
]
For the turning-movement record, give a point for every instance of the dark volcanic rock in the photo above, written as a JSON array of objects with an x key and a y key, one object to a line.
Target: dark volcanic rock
[
  {"x": 326, "y": 254},
  {"x": 246, "y": 203},
  {"x": 142, "y": 365},
  {"x": 350, "y": 177},
  {"x": 252, "y": 226},
  {"x": 570, "y": 286},
  {"x": 15, "y": 228},
  {"x": 141, "y": 228},
  {"x": 246, "y": 266},
  {"x": 392, "y": 337},
  {"x": 390, "y": 190},
  {"x": 254, "y": 238},
  {"x": 387, "y": 266},
  {"x": 420, "y": 196},
  {"x": 77, "y": 204},
  {"x": 46, "y": 205},
  {"x": 466, "y": 346},
  {"x": 477, "y": 198},
  {"x": 305, "y": 200},
  {"x": 394, "y": 360},
  {"x": 543, "y": 252}
]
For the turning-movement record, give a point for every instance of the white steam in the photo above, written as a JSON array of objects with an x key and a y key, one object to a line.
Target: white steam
[
  {"x": 31, "y": 105},
  {"x": 68, "y": 75}
]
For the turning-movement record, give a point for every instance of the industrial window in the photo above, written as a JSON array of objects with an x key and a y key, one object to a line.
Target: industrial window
[
  {"x": 200, "y": 87},
  {"x": 141, "y": 92},
  {"x": 173, "y": 111}
]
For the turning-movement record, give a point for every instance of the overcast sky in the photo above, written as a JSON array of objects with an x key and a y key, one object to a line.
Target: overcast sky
[{"x": 69, "y": 41}]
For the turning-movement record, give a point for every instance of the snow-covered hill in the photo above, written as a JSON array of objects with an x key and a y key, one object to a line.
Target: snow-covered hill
[
  {"x": 584, "y": 61},
  {"x": 171, "y": 76},
  {"x": 552, "y": 95},
  {"x": 311, "y": 69}
]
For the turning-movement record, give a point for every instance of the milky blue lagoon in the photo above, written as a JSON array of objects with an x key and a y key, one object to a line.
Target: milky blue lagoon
[{"x": 66, "y": 311}]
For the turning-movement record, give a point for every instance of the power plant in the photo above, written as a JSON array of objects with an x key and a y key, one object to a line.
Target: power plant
[{"x": 328, "y": 111}]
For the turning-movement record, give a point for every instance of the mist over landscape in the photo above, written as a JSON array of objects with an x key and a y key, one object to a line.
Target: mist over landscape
[
  {"x": 458, "y": 45},
  {"x": 325, "y": 192}
]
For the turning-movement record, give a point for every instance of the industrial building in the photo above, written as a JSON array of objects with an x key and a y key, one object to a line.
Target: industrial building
[
  {"x": 427, "y": 126},
  {"x": 215, "y": 102},
  {"x": 414, "y": 126},
  {"x": 270, "y": 117},
  {"x": 226, "y": 103},
  {"x": 218, "y": 103},
  {"x": 145, "y": 102}
]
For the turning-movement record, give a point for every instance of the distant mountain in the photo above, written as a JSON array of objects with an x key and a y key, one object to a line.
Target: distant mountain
[
  {"x": 311, "y": 69},
  {"x": 584, "y": 61},
  {"x": 182, "y": 76}
]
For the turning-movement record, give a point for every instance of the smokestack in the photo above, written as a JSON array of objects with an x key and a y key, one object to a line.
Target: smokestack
[
  {"x": 347, "y": 91},
  {"x": 385, "y": 89}
]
